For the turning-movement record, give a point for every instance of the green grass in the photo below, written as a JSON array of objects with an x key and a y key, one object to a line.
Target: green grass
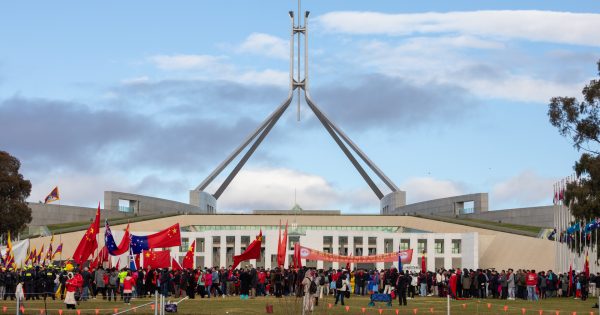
[
  {"x": 528, "y": 228},
  {"x": 291, "y": 305},
  {"x": 80, "y": 226}
]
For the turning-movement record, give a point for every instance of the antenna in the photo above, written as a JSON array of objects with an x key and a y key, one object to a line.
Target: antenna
[{"x": 297, "y": 82}]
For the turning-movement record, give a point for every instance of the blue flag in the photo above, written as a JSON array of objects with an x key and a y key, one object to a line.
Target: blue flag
[
  {"x": 399, "y": 262},
  {"x": 132, "y": 265}
]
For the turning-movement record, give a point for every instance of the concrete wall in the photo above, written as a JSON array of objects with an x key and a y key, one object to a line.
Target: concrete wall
[
  {"x": 535, "y": 216},
  {"x": 445, "y": 206},
  {"x": 146, "y": 205},
  {"x": 494, "y": 249},
  {"x": 46, "y": 214}
]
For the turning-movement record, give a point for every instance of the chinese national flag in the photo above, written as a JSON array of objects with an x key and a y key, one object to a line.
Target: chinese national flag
[
  {"x": 188, "y": 260},
  {"x": 252, "y": 252},
  {"x": 89, "y": 242},
  {"x": 175, "y": 266},
  {"x": 157, "y": 259}
]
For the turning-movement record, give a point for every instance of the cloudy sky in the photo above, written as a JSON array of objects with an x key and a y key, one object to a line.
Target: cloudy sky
[{"x": 447, "y": 97}]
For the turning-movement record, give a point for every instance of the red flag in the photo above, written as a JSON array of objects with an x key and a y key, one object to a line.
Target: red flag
[
  {"x": 279, "y": 245},
  {"x": 188, "y": 260},
  {"x": 166, "y": 238},
  {"x": 570, "y": 279},
  {"x": 282, "y": 248},
  {"x": 103, "y": 254},
  {"x": 252, "y": 252},
  {"x": 124, "y": 244},
  {"x": 157, "y": 259},
  {"x": 137, "y": 261},
  {"x": 175, "y": 265},
  {"x": 586, "y": 266},
  {"x": 94, "y": 263},
  {"x": 88, "y": 243},
  {"x": 423, "y": 264},
  {"x": 118, "y": 262},
  {"x": 297, "y": 258}
]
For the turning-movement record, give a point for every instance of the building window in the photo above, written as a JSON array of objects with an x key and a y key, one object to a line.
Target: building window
[
  {"x": 404, "y": 244},
  {"x": 421, "y": 246},
  {"x": 388, "y": 245},
  {"x": 373, "y": 241},
  {"x": 185, "y": 244},
  {"x": 455, "y": 246},
  {"x": 200, "y": 245},
  {"x": 439, "y": 246}
]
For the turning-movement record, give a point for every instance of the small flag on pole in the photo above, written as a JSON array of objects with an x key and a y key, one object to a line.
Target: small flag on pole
[{"x": 52, "y": 196}]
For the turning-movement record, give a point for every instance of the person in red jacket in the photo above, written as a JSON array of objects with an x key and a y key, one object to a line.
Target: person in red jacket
[
  {"x": 531, "y": 281},
  {"x": 71, "y": 285},
  {"x": 128, "y": 284}
]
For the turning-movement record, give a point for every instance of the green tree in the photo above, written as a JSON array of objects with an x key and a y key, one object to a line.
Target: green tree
[{"x": 14, "y": 190}]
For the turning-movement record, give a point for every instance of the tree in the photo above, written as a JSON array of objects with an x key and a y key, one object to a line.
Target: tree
[
  {"x": 580, "y": 121},
  {"x": 14, "y": 190}
]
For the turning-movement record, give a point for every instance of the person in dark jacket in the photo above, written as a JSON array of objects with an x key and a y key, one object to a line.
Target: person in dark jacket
[{"x": 402, "y": 283}]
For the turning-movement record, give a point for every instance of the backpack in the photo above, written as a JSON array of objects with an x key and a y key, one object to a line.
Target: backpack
[
  {"x": 313, "y": 287},
  {"x": 322, "y": 281}
]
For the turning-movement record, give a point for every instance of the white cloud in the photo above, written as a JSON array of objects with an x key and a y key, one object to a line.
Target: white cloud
[
  {"x": 267, "y": 45},
  {"x": 136, "y": 80},
  {"x": 78, "y": 188},
  {"x": 419, "y": 60},
  {"x": 526, "y": 189},
  {"x": 273, "y": 188},
  {"x": 185, "y": 62},
  {"x": 542, "y": 26},
  {"x": 427, "y": 188},
  {"x": 207, "y": 67}
]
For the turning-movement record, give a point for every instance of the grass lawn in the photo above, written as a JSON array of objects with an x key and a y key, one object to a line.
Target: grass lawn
[{"x": 291, "y": 305}]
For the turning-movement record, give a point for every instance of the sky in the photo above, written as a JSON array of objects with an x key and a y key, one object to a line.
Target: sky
[{"x": 446, "y": 97}]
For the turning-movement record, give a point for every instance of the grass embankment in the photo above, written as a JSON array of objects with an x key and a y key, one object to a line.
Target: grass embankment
[{"x": 291, "y": 305}]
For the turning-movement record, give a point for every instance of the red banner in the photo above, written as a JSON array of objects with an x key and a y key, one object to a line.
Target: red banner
[{"x": 313, "y": 254}]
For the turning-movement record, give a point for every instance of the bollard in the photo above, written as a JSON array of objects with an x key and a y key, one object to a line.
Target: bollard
[{"x": 156, "y": 302}]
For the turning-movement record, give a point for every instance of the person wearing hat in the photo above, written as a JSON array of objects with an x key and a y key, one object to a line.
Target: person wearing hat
[{"x": 71, "y": 286}]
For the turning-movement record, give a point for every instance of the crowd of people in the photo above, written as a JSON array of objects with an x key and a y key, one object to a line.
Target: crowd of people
[{"x": 78, "y": 285}]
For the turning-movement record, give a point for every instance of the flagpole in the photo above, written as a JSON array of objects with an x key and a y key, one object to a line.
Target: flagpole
[{"x": 557, "y": 252}]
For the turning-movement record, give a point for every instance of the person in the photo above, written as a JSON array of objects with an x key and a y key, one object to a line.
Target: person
[
  {"x": 402, "y": 283},
  {"x": 531, "y": 282},
  {"x": 278, "y": 279},
  {"x": 113, "y": 284},
  {"x": 423, "y": 284},
  {"x": 466, "y": 281},
  {"x": 340, "y": 289},
  {"x": 2, "y": 282},
  {"x": 482, "y": 281},
  {"x": 71, "y": 286},
  {"x": 128, "y": 284},
  {"x": 390, "y": 278},
  {"x": 100, "y": 283},
  {"x": 245, "y": 280},
  {"x": 309, "y": 289},
  {"x": 510, "y": 280}
]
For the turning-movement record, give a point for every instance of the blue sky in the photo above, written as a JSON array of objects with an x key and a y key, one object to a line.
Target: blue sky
[{"x": 148, "y": 97}]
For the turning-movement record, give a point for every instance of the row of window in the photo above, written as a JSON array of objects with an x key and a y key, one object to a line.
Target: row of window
[{"x": 439, "y": 244}]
